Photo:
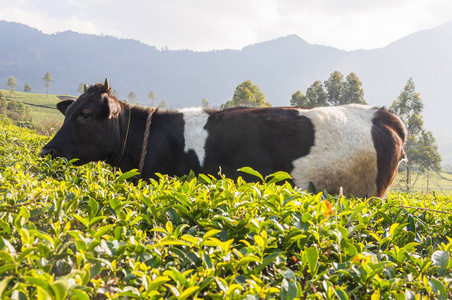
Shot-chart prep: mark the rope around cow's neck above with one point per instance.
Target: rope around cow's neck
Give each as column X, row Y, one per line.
column 125, row 140
column 145, row 141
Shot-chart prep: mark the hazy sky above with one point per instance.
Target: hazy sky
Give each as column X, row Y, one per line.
column 218, row 24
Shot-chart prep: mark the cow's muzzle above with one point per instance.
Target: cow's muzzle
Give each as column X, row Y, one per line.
column 48, row 150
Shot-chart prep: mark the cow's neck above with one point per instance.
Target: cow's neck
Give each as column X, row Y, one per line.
column 128, row 152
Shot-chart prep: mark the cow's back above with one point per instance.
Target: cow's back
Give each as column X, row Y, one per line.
column 266, row 139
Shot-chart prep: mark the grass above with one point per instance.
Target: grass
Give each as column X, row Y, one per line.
column 437, row 182
column 43, row 108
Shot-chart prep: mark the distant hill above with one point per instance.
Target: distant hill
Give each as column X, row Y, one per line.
column 279, row 67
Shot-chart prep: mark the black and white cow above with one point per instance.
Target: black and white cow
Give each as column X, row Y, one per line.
column 355, row 147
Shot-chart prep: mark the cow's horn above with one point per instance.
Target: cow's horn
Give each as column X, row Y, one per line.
column 106, row 85
column 85, row 88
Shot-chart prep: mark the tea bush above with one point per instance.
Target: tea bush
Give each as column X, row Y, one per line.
column 89, row 232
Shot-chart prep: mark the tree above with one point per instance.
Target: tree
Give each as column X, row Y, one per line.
column 114, row 93
column 11, row 85
column 47, row 81
column 335, row 88
column 152, row 96
column 247, row 94
column 298, row 99
column 315, row 96
column 81, row 88
column 132, row 98
column 205, row 103
column 420, row 147
column 334, row 91
column 163, row 104
column 352, row 90
column 426, row 155
column 27, row 88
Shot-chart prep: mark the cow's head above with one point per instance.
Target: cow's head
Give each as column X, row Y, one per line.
column 90, row 131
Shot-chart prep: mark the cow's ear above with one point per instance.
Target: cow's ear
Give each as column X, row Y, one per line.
column 114, row 108
column 63, row 105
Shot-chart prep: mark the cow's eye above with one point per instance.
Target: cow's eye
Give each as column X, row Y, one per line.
column 84, row 116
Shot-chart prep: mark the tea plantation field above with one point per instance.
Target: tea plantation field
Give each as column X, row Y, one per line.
column 88, row 233
column 42, row 107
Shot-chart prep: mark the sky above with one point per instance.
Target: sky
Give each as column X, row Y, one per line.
column 205, row 25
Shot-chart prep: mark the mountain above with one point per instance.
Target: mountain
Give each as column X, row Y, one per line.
column 279, row 67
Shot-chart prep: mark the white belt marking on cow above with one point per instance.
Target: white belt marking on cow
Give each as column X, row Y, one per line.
column 194, row 133
column 343, row 153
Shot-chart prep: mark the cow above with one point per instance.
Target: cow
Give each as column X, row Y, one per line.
column 354, row 147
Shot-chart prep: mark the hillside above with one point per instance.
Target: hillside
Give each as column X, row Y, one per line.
column 42, row 108
column 279, row 67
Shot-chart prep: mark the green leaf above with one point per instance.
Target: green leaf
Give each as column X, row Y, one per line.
column 190, row 239
column 289, row 289
column 103, row 230
column 5, row 256
column 43, row 294
column 210, row 233
column 79, row 294
column 267, row 260
column 249, row 258
column 288, row 274
column 252, row 172
column 176, row 276
column 411, row 246
column 393, row 228
column 438, row 288
column 158, row 282
column 81, row 220
column 311, row 188
column 188, row 292
column 40, row 283
column 126, row 175
column 170, row 243
column 222, row 284
column 441, row 259
column 356, row 211
column 259, row 241
column 396, row 229
column 60, row 289
column 95, row 220
column 278, row 176
column 7, row 267
column 10, row 247
column 4, row 285
column 206, row 259
column 5, row 226
column 205, row 178
column 312, row 255
column 231, row 289
column 23, row 255
column 340, row 293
